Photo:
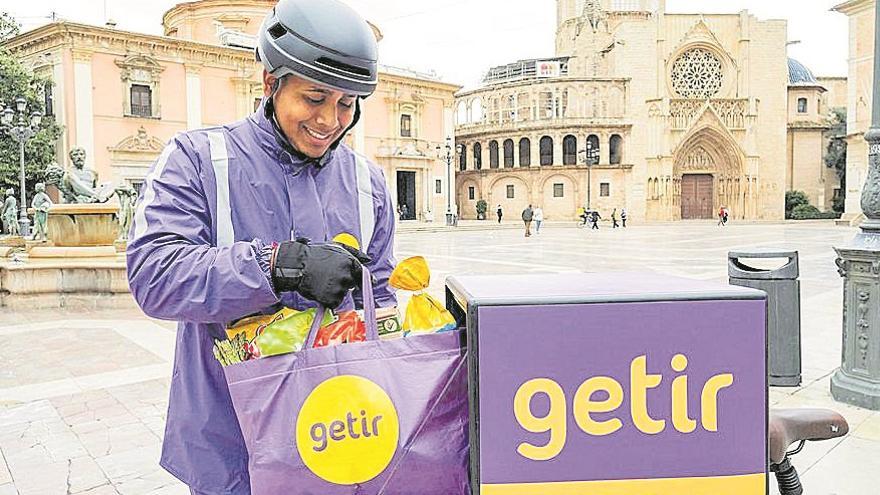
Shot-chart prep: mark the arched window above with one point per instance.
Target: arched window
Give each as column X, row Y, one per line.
column 461, row 111
column 494, row 111
column 462, row 158
column 615, row 147
column 802, row 105
column 546, row 147
column 524, row 110
column 569, row 150
column 592, row 149
column 508, row 153
column 478, row 156
column 493, row 154
column 509, row 111
column 475, row 113
column 525, row 152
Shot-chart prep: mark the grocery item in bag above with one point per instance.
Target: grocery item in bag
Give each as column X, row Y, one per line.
column 252, row 326
column 347, row 329
column 424, row 314
column 288, row 335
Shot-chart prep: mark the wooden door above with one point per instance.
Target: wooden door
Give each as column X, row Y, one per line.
column 697, row 197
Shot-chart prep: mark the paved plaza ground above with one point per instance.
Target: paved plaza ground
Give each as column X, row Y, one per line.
column 83, row 395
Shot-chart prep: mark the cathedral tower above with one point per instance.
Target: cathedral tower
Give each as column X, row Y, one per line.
column 572, row 9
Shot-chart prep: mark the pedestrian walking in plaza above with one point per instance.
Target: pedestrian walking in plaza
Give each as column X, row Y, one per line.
column 455, row 215
column 594, row 219
column 499, row 212
column 527, row 215
column 539, row 218
column 582, row 215
column 614, row 223
column 623, row 217
column 722, row 216
column 202, row 254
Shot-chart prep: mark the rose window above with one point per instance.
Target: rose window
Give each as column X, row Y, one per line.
column 697, row 74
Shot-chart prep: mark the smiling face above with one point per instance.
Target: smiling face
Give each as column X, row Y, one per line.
column 311, row 115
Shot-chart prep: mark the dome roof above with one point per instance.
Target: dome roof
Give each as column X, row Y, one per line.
column 800, row 75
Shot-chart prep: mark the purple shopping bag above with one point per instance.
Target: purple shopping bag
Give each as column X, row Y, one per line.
column 374, row 417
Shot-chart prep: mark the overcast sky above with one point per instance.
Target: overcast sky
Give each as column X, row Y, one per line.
column 460, row 39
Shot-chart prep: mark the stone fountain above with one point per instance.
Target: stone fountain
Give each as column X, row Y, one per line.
column 76, row 254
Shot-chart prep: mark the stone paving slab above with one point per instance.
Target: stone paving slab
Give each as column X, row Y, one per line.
column 91, row 423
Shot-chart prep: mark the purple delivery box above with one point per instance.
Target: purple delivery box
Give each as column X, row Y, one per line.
column 614, row 384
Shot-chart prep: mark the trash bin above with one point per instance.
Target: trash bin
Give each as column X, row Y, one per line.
column 783, row 312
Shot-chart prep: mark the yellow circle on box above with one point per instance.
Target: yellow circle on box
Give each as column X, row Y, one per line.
column 347, row 430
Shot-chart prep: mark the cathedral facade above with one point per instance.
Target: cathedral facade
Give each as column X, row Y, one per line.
column 670, row 116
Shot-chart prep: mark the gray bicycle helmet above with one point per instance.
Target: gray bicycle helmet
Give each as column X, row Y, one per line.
column 324, row 41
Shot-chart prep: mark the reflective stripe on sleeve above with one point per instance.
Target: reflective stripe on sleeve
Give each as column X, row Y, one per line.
column 140, row 213
column 220, row 162
column 365, row 202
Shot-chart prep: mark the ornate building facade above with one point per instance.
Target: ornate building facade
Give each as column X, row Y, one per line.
column 859, row 101
column 810, row 106
column 670, row 116
column 122, row 95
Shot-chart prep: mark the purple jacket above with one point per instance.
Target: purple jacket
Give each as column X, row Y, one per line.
column 211, row 202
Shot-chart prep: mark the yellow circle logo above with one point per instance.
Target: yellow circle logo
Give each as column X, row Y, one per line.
column 347, row 430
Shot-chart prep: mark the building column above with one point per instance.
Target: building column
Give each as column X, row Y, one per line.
column 536, row 150
column 557, row 148
column 85, row 115
column 515, row 150
column 193, row 96
column 604, row 148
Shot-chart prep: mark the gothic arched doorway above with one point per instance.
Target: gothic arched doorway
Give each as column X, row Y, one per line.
column 706, row 167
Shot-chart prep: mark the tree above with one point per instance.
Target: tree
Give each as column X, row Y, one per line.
column 16, row 80
column 8, row 27
column 794, row 199
column 835, row 154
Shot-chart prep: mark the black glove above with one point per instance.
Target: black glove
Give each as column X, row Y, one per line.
column 321, row 272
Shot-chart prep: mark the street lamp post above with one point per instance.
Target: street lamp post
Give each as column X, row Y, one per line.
column 591, row 157
column 448, row 156
column 22, row 128
column 857, row 381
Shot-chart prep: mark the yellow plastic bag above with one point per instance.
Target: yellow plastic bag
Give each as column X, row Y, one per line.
column 424, row 314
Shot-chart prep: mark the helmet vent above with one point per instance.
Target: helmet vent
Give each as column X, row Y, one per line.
column 341, row 66
column 277, row 31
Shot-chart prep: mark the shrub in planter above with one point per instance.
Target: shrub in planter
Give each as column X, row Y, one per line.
column 482, row 206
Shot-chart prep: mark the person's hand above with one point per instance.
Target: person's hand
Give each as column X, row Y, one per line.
column 321, row 272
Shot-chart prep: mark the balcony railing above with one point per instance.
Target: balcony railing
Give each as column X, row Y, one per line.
column 141, row 110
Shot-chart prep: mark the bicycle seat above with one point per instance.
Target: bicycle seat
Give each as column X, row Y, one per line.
column 789, row 426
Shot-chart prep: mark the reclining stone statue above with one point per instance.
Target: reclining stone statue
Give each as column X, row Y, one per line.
column 78, row 184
